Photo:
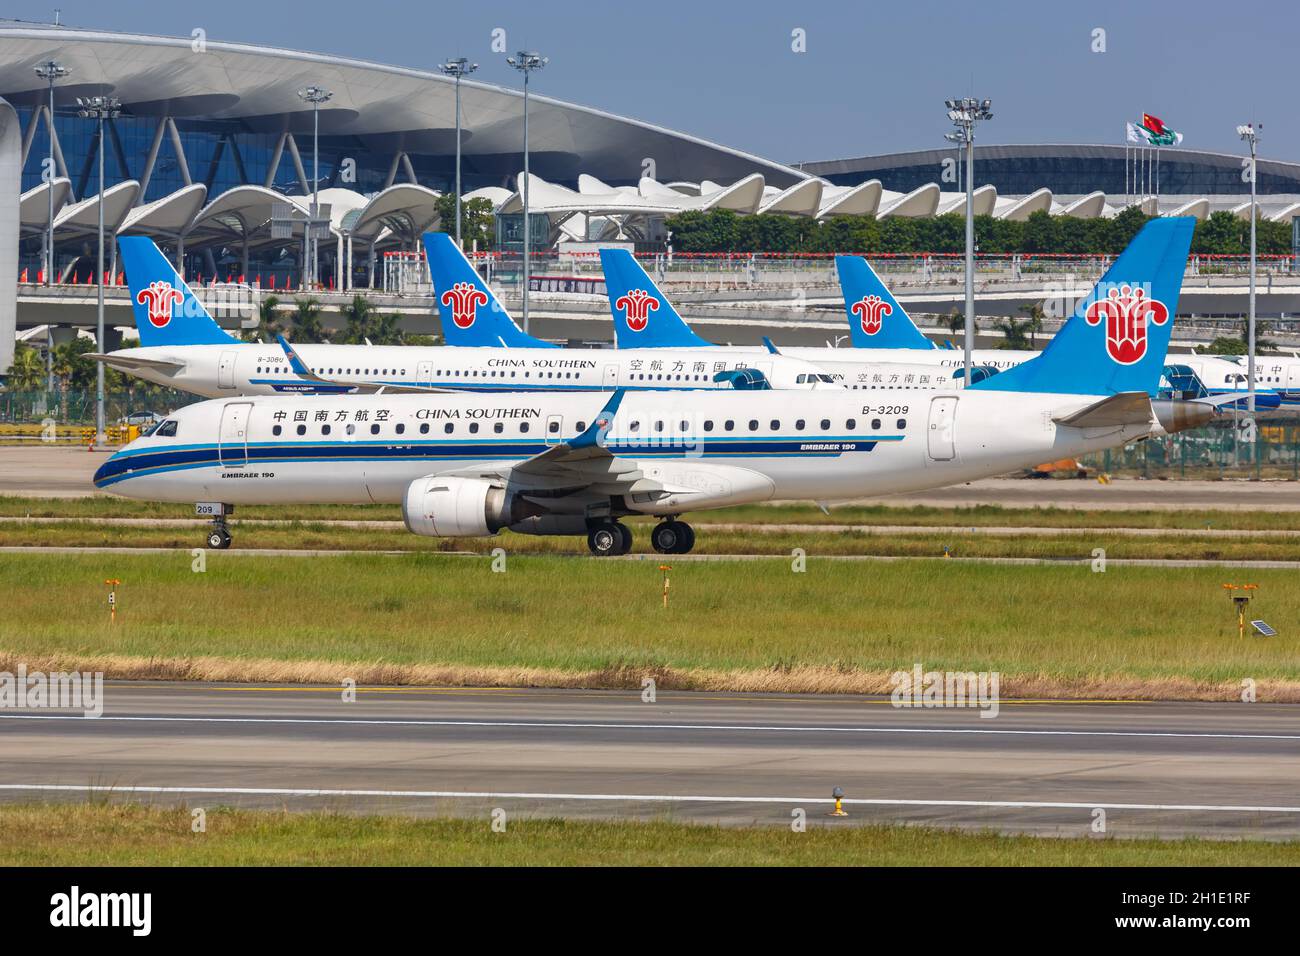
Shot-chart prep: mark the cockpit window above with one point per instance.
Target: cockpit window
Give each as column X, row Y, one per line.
column 149, row 429
column 167, row 429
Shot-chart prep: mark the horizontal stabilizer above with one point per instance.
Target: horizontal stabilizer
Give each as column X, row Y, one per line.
column 1114, row 411
column 129, row 363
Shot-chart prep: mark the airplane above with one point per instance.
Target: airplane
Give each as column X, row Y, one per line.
column 889, row 351
column 183, row 347
column 574, row 464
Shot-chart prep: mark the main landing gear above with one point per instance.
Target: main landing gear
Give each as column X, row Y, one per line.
column 672, row 537
column 609, row 539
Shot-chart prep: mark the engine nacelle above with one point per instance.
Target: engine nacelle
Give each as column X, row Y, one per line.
column 455, row 507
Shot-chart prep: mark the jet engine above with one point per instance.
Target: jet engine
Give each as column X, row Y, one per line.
column 458, row 507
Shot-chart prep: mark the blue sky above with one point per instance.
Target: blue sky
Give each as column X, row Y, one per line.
column 872, row 80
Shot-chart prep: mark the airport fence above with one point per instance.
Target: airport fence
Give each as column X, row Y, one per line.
column 73, row 406
column 1231, row 448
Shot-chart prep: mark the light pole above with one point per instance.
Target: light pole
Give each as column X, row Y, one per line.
column 50, row 71
column 525, row 62
column 1250, row 134
column 99, row 108
column 457, row 68
column 315, row 95
column 964, row 113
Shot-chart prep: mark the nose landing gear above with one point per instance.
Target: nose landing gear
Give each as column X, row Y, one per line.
column 672, row 537
column 219, row 537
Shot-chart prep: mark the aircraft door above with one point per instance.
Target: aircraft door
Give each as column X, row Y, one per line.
column 226, row 370
column 554, row 429
column 233, row 445
column 424, row 373
column 611, row 376
column 940, row 438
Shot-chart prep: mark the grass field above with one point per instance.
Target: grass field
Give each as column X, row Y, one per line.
column 746, row 625
column 103, row 834
column 766, row 539
column 983, row 515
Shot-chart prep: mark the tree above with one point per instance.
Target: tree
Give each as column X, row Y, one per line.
column 1034, row 324
column 956, row 322
column 1014, row 331
column 269, row 324
column 27, row 374
column 477, row 220
column 307, row 325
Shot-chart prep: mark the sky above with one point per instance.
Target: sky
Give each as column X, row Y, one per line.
column 871, row 77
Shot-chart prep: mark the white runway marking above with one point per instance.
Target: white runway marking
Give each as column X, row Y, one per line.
column 576, row 725
column 645, row 798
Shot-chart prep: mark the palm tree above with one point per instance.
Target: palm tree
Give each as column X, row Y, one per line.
column 956, row 322
column 307, row 326
column 1035, row 321
column 1014, row 332
column 361, row 318
column 27, row 374
column 268, row 321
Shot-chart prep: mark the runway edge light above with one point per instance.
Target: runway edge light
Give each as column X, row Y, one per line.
column 112, row 599
column 839, row 811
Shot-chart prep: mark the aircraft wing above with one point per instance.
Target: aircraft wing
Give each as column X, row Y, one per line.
column 127, row 363
column 1123, row 408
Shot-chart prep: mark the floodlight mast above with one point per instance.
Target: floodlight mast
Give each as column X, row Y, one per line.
column 315, row 95
column 458, row 68
column 965, row 113
column 526, row 62
column 99, row 108
column 1249, row 134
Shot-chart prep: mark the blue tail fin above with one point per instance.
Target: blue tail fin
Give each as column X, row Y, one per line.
column 643, row 318
column 470, row 313
column 1117, row 339
column 876, row 320
column 166, row 311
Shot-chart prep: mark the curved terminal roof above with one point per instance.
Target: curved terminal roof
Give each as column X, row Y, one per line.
column 386, row 107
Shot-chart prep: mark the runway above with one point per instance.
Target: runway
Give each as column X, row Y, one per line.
column 1039, row 767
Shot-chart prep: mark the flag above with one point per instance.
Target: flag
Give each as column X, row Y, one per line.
column 1154, row 123
column 1144, row 135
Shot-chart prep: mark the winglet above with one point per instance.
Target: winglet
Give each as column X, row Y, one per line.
column 770, row 347
column 594, row 436
column 300, row 368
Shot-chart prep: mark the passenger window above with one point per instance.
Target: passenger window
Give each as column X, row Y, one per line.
column 352, row 429
column 729, row 425
column 553, row 427
column 274, row 431
column 799, row 424
column 753, row 424
column 302, row 429
column 634, row 427
column 875, row 424
column 448, row 428
column 776, row 425
column 708, row 425
column 400, row 429
column 473, row 428
column 498, row 428
column 324, row 429
column 424, row 428
column 826, row 424
column 902, row 423
column 685, row 425
column 582, row 427
column 851, row 424
column 659, row 426
column 523, row 426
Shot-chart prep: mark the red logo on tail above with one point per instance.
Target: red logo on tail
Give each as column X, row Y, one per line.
column 464, row 300
column 871, row 308
column 159, row 298
column 637, row 306
column 1126, row 311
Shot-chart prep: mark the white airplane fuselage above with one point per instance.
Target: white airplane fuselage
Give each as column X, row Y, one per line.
column 243, row 369
column 708, row 449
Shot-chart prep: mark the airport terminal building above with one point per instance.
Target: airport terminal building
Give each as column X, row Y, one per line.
column 212, row 157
